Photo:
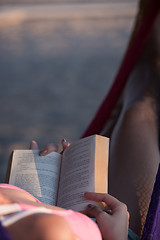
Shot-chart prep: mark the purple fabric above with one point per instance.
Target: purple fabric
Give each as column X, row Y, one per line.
column 4, row 235
column 152, row 225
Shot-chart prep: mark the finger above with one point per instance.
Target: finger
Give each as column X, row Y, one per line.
column 94, row 211
column 65, row 145
column 112, row 202
column 33, row 145
column 48, row 149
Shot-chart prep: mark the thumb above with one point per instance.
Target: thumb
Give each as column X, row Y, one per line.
column 33, row 145
column 65, row 145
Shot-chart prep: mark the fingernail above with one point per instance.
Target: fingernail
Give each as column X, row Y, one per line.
column 91, row 206
column 43, row 152
column 33, row 143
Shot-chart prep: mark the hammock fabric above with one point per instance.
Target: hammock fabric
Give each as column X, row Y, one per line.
column 128, row 63
column 152, row 226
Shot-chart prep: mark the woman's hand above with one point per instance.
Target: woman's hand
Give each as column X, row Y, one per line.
column 50, row 147
column 114, row 223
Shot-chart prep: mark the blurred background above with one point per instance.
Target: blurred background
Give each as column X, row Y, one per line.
column 58, row 59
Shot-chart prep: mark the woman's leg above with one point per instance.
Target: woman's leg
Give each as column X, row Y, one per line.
column 134, row 152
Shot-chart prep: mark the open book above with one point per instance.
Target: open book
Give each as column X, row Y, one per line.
column 62, row 181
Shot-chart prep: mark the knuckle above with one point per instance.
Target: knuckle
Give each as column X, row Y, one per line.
column 124, row 207
column 128, row 215
column 124, row 210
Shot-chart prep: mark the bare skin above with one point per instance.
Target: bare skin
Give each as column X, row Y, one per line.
column 113, row 224
column 134, row 150
column 134, row 159
column 41, row 226
column 38, row 226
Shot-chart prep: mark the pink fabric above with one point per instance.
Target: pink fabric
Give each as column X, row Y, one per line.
column 82, row 226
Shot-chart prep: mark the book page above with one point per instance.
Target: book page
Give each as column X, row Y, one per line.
column 39, row 175
column 77, row 175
